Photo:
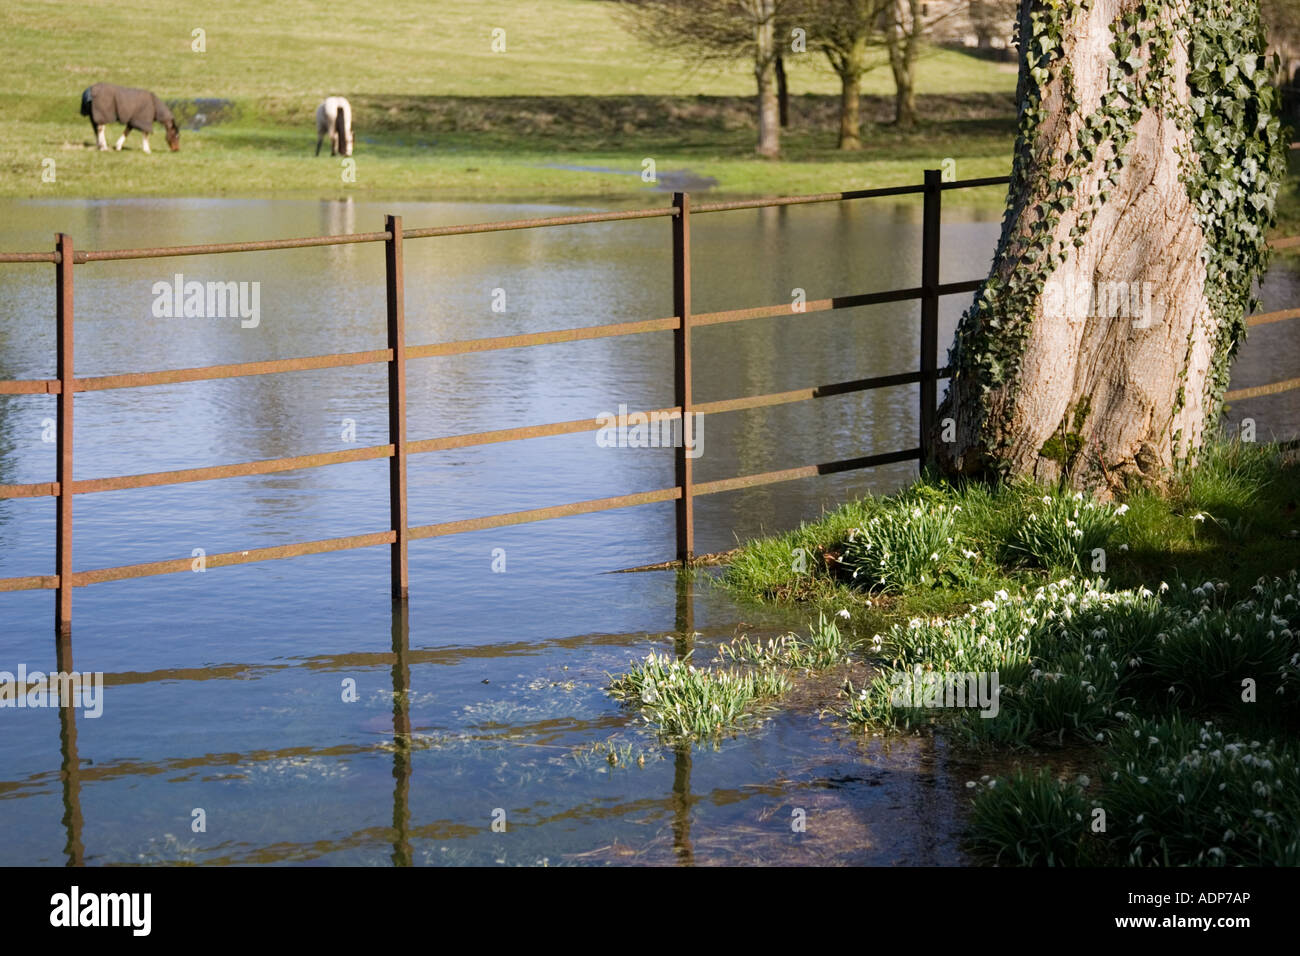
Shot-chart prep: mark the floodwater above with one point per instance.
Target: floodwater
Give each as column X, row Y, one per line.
column 228, row 692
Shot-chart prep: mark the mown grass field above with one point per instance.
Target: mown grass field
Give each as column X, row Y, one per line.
column 440, row 115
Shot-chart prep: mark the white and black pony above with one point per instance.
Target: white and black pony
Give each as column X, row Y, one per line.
column 334, row 119
column 108, row 103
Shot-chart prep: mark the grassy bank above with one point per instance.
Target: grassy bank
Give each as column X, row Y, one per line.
column 1153, row 643
column 569, row 110
column 516, row 148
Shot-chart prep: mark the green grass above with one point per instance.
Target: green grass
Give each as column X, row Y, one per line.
column 439, row 115
column 825, row 647
column 1171, row 792
column 1235, row 515
column 1173, row 671
column 432, row 47
column 684, row 702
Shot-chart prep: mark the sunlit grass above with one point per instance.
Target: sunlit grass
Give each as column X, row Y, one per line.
column 1169, row 651
column 439, row 114
column 684, row 701
column 825, row 647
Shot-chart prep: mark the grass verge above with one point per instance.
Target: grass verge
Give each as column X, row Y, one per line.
column 1154, row 638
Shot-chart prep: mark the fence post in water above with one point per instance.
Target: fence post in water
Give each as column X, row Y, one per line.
column 63, row 435
column 682, row 375
column 397, row 403
column 931, row 222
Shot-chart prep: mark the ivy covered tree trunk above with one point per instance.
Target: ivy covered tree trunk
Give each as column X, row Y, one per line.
column 1146, row 166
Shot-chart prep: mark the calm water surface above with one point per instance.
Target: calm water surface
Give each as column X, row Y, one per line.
column 225, row 689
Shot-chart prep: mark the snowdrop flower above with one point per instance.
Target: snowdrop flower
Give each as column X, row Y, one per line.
column 1121, row 510
column 1200, row 516
column 843, row 613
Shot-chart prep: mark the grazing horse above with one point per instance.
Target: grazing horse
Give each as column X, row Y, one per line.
column 334, row 117
column 108, row 103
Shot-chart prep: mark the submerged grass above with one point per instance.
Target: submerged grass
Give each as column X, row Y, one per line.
column 683, row 701
column 1156, row 634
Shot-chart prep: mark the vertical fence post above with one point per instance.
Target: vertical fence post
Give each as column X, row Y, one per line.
column 682, row 374
column 397, row 403
column 63, row 435
column 931, row 222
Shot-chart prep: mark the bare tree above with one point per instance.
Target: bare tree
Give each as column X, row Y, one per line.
column 722, row 29
column 904, row 28
column 992, row 19
column 845, row 31
column 908, row 25
column 1282, row 21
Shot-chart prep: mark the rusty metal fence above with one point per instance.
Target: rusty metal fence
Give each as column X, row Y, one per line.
column 65, row 386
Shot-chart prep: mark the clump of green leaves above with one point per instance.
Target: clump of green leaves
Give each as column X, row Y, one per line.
column 1032, row 819
column 912, row 544
column 1064, row 532
column 825, row 647
column 685, row 701
column 1073, row 657
column 1173, row 792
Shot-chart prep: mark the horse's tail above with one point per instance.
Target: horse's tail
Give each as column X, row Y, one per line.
column 344, row 126
column 87, row 101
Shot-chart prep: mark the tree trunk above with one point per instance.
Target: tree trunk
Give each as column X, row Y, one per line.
column 769, row 113
column 904, row 99
column 1098, row 350
column 850, row 112
column 782, row 92
column 902, row 39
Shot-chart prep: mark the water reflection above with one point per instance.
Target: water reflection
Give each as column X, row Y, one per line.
column 70, row 767
column 486, row 690
column 401, row 733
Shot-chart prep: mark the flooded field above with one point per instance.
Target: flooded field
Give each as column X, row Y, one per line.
column 303, row 720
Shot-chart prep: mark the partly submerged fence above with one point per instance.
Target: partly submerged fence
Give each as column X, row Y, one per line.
column 397, row 353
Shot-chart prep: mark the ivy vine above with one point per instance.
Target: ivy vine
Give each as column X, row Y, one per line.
column 1232, row 172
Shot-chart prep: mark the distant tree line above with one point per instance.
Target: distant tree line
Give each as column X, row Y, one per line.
column 855, row 36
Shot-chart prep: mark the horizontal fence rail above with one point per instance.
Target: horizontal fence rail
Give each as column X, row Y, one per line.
column 398, row 354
